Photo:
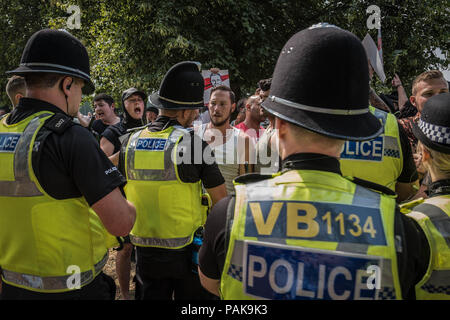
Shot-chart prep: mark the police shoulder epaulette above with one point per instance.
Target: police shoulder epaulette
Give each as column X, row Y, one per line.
column 59, row 123
column 252, row 177
column 124, row 138
column 408, row 206
column 373, row 186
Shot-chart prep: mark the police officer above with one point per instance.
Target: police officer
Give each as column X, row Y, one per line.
column 165, row 169
column 433, row 214
column 308, row 232
column 386, row 160
column 59, row 193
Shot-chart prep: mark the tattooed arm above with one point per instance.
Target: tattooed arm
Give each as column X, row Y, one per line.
column 376, row 101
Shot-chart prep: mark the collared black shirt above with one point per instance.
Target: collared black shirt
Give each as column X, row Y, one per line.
column 70, row 164
column 412, row 246
column 439, row 188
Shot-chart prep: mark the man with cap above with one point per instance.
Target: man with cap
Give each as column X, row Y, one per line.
column 308, row 232
column 165, row 165
column 133, row 103
column 433, row 214
column 59, row 194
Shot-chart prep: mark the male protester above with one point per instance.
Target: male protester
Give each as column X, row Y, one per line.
column 425, row 85
column 59, row 194
column 251, row 126
column 104, row 115
column 133, row 103
column 104, row 109
column 151, row 114
column 308, row 232
column 15, row 89
column 165, row 167
column 231, row 148
column 268, row 161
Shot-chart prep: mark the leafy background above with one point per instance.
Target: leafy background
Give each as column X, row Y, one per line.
column 133, row 43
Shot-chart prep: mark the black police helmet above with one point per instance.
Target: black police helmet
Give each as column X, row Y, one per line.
column 181, row 88
column 56, row 51
column 302, row 93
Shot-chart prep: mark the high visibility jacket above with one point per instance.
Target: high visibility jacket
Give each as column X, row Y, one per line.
column 46, row 245
column 168, row 210
column 433, row 216
column 379, row 160
column 307, row 234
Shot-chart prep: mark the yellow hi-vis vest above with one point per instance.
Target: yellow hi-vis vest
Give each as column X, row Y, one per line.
column 168, row 210
column 308, row 234
column 46, row 245
column 379, row 160
column 433, row 216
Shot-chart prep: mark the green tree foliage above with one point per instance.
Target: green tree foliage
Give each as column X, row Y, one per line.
column 133, row 43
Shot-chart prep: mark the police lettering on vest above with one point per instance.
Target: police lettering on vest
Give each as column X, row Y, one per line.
column 151, row 144
column 8, row 141
column 273, row 271
column 371, row 150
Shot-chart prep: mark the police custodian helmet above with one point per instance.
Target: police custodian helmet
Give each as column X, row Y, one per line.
column 181, row 88
column 320, row 83
column 56, row 51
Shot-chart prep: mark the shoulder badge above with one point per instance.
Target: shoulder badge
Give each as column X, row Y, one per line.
column 59, row 123
column 371, row 185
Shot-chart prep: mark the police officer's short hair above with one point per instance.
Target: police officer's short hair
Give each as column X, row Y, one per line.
column 15, row 85
column 42, row 79
column 106, row 97
column 225, row 88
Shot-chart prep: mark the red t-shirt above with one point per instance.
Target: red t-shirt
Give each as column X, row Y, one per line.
column 252, row 133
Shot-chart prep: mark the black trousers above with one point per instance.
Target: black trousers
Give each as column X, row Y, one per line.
column 165, row 274
column 102, row 287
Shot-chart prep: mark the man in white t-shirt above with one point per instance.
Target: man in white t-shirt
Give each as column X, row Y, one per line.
column 231, row 147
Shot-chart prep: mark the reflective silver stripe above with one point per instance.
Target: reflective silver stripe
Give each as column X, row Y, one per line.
column 391, row 143
column 181, row 102
column 317, row 109
column 157, row 242
column 168, row 174
column 22, row 186
column 366, row 198
column 439, row 282
column 438, row 217
column 40, row 64
column 51, row 283
column 352, row 247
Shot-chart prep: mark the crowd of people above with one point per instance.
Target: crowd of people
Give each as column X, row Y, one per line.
column 288, row 193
